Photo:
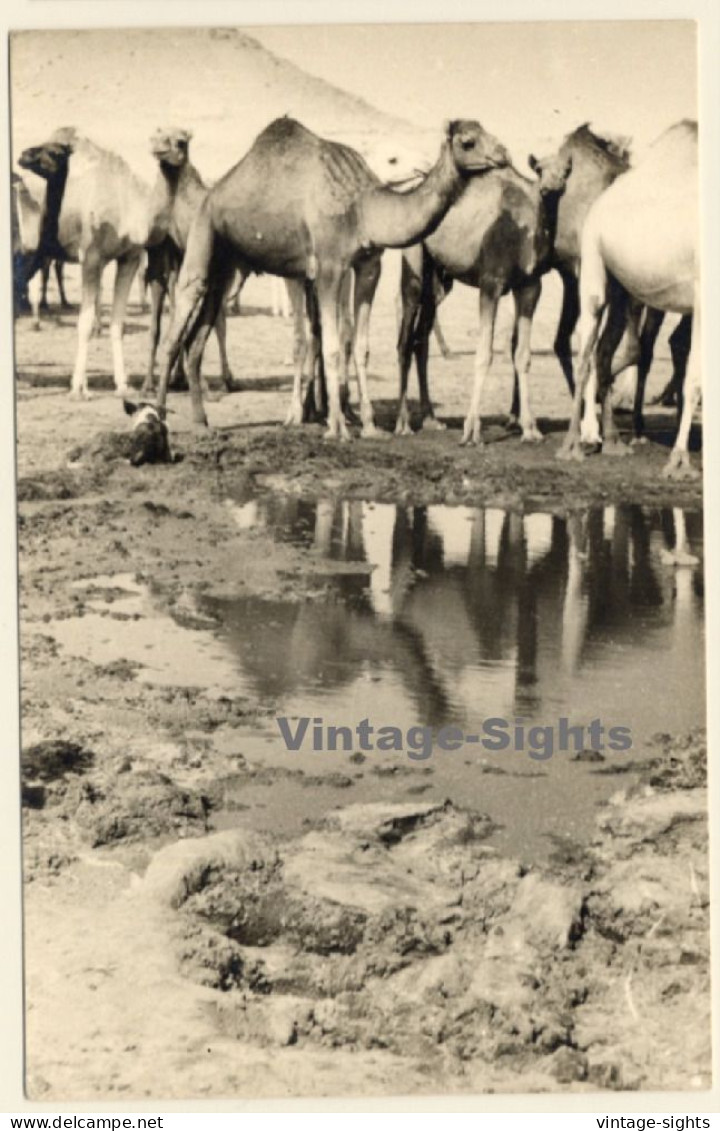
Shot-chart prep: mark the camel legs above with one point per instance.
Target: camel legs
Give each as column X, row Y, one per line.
column 651, row 329
column 126, row 271
column 678, row 464
column 414, row 261
column 212, row 304
column 483, row 359
column 526, row 300
column 367, row 276
column 158, row 290
column 91, row 270
column 221, row 335
column 296, row 294
column 34, row 289
column 328, row 285
column 59, row 271
column 568, row 320
column 591, row 312
column 617, row 321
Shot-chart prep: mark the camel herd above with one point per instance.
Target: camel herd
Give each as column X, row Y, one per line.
column 623, row 237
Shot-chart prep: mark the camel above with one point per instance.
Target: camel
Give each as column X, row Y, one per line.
column 96, row 212
column 621, row 256
column 306, row 208
column 176, row 196
column 597, row 161
column 497, row 237
column 26, row 227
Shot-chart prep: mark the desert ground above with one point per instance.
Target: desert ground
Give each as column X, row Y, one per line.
column 204, row 916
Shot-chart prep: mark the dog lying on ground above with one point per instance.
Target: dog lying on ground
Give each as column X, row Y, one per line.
column 150, row 441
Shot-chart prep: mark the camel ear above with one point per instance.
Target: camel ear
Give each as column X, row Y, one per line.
column 448, row 128
column 534, row 163
column 568, row 165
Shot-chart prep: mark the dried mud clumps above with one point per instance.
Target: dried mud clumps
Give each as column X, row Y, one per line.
column 397, row 927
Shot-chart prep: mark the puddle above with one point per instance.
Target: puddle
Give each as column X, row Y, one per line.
column 456, row 615
column 439, row 616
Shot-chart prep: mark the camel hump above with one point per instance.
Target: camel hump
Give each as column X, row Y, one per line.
column 283, row 132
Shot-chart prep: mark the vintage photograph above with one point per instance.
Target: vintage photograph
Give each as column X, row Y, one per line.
column 360, row 525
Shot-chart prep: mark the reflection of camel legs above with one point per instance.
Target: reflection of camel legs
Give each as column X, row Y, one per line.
column 678, row 466
column 526, row 300
column 367, row 276
column 91, row 268
column 483, row 359
column 126, row 270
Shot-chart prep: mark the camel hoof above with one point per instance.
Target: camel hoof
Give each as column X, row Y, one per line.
column 532, row 436
column 679, row 467
column 432, row 424
column 199, row 426
column 123, row 391
column 402, row 428
column 679, row 558
column 374, row 434
column 80, row 395
column 616, row 448
column 571, row 449
column 638, row 440
column 294, row 415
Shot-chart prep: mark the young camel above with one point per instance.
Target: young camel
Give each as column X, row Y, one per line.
column 305, row 208
column 176, row 196
column 622, row 256
column 497, row 237
column 96, row 212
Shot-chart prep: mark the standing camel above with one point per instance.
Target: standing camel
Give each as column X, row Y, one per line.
column 597, row 161
column 622, row 255
column 309, row 209
column 176, row 196
column 497, row 237
column 96, row 212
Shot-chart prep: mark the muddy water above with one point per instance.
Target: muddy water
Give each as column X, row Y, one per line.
column 436, row 616
column 456, row 615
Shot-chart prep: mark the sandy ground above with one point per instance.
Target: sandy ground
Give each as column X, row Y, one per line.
column 166, row 958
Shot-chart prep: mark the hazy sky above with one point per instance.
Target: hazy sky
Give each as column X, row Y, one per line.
column 533, row 80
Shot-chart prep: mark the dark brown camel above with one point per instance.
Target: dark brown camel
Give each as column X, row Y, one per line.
column 176, row 196
column 305, row 208
column 497, row 237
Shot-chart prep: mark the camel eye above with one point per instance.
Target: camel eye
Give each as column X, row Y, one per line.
column 468, row 143
column 393, row 161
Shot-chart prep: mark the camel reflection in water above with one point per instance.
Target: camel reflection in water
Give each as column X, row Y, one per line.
column 473, row 613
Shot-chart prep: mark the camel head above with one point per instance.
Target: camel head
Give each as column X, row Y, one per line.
column 47, row 160
column 171, row 147
column 472, row 148
column 552, row 172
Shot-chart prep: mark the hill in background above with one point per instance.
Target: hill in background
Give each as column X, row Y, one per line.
column 119, row 86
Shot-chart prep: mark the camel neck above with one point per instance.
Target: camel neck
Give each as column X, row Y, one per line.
column 399, row 219
column 49, row 242
column 546, row 227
